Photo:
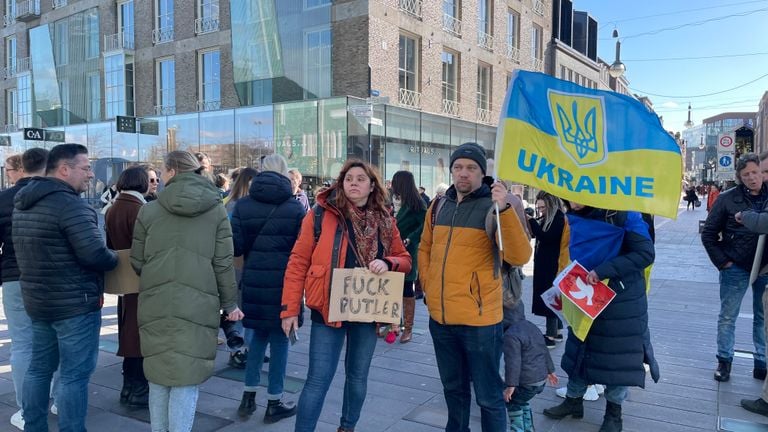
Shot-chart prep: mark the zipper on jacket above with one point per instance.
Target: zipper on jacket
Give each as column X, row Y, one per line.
column 475, row 277
column 445, row 260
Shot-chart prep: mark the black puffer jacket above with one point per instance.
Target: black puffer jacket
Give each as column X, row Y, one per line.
column 60, row 251
column 10, row 270
column 738, row 243
column 265, row 226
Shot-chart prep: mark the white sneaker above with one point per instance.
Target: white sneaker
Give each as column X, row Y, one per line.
column 561, row 391
column 54, row 410
column 591, row 394
column 600, row 388
column 18, row 420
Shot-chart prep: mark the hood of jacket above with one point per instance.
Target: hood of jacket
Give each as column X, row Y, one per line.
column 270, row 187
column 189, row 194
column 39, row 188
column 327, row 199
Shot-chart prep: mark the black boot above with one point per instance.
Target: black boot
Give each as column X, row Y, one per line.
column 759, row 372
column 723, row 372
column 573, row 407
column 139, row 398
column 125, row 393
column 277, row 410
column 247, row 405
column 612, row 418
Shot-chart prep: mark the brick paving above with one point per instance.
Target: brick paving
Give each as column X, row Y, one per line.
column 404, row 391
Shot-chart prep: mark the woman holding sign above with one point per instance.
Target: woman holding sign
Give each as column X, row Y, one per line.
column 613, row 246
column 356, row 231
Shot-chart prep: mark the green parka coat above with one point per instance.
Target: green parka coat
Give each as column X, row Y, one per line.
column 182, row 250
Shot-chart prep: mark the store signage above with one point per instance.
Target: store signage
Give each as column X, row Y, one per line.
column 126, row 124
column 34, row 134
column 54, row 135
column 421, row 149
column 149, row 127
column 5, row 141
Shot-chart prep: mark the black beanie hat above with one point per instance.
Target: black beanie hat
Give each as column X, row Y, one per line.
column 472, row 151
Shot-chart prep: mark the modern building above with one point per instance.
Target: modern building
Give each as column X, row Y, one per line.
column 741, row 124
column 241, row 78
column 572, row 50
column 761, row 125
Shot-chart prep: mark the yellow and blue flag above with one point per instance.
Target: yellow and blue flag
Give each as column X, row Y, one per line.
column 597, row 148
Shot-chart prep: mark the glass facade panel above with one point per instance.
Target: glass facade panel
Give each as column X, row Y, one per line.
column 61, row 46
column 125, row 146
column 254, row 134
column 435, row 152
column 217, row 138
column 462, row 131
column 309, row 4
column 332, row 129
column 184, row 132
column 296, row 137
column 318, row 63
column 94, row 96
column 92, row 28
column 47, row 100
column 408, row 69
column 403, row 142
column 152, row 148
column 100, row 140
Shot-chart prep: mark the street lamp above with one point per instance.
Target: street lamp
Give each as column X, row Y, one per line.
column 688, row 123
column 617, row 69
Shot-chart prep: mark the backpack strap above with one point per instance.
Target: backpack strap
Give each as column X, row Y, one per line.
column 319, row 212
column 318, row 224
column 437, row 205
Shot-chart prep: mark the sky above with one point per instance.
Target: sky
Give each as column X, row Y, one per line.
column 672, row 84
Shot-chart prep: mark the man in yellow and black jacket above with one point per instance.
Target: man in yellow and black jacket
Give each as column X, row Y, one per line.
column 463, row 292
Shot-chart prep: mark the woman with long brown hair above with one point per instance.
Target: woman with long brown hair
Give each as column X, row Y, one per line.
column 356, row 222
column 240, row 188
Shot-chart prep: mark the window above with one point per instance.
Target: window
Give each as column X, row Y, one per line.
column 164, row 22
column 483, row 86
column 210, row 84
column 92, row 27
column 451, row 8
column 513, row 28
column 166, row 86
column 208, row 16
column 126, row 23
column 318, row 63
column 10, row 106
column 10, row 55
column 118, row 86
column 485, row 16
column 310, row 4
column 61, row 41
column 450, row 82
column 94, row 97
column 451, row 18
column 536, row 42
column 408, row 69
column 10, row 12
column 65, row 108
column 24, row 107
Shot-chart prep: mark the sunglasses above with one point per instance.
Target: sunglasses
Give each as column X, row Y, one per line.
column 154, row 180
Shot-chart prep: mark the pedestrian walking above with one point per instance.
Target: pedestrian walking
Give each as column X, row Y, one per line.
column 463, row 287
column 62, row 259
column 617, row 247
column 119, row 221
column 731, row 248
column 714, row 192
column 32, row 164
column 265, row 225
column 410, row 210
column 298, row 192
column 356, row 231
column 550, row 257
column 240, row 188
column 691, row 198
column 182, row 251
column 527, row 367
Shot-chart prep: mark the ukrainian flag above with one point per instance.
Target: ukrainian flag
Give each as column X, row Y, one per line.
column 598, row 148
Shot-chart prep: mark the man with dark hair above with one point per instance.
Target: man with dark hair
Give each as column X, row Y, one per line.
column 62, row 259
column 731, row 248
column 423, row 195
column 19, row 325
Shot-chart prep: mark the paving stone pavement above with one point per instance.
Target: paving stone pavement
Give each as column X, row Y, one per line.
column 404, row 390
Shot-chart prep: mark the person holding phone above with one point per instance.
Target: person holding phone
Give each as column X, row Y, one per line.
column 265, row 225
column 357, row 231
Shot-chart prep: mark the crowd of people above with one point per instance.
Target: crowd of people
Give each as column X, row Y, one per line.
column 183, row 242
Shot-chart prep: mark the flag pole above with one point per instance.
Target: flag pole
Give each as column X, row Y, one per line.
column 758, row 259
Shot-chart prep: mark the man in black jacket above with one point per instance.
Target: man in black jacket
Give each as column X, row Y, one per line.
column 62, row 258
column 19, row 325
column 731, row 248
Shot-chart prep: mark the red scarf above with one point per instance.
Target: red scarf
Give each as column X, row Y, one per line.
column 370, row 227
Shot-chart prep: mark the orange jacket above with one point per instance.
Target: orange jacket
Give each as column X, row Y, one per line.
column 711, row 198
column 456, row 259
column 309, row 268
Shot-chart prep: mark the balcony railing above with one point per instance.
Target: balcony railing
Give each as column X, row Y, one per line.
column 484, row 115
column 451, row 25
column 484, row 40
column 118, row 42
column 513, row 52
column 59, row 3
column 27, row 10
column 210, row 105
column 21, row 66
column 206, row 25
column 409, row 98
column 451, row 107
column 538, row 7
column 538, row 65
column 411, row 7
column 9, row 19
column 162, row 35
column 165, row 109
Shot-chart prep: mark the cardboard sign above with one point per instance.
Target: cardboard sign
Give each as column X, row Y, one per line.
column 590, row 299
column 123, row 279
column 361, row 296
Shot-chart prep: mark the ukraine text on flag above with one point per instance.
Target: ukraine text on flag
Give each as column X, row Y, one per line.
column 594, row 147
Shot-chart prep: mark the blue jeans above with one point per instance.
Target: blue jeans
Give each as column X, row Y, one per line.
column 172, row 409
column 20, row 330
column 523, row 395
column 72, row 345
column 325, row 345
column 278, row 358
column 733, row 286
column 614, row 394
column 465, row 352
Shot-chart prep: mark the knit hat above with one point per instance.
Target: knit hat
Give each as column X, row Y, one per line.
column 472, row 151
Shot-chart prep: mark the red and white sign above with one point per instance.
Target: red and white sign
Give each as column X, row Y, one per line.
column 725, row 142
column 591, row 299
column 552, row 299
